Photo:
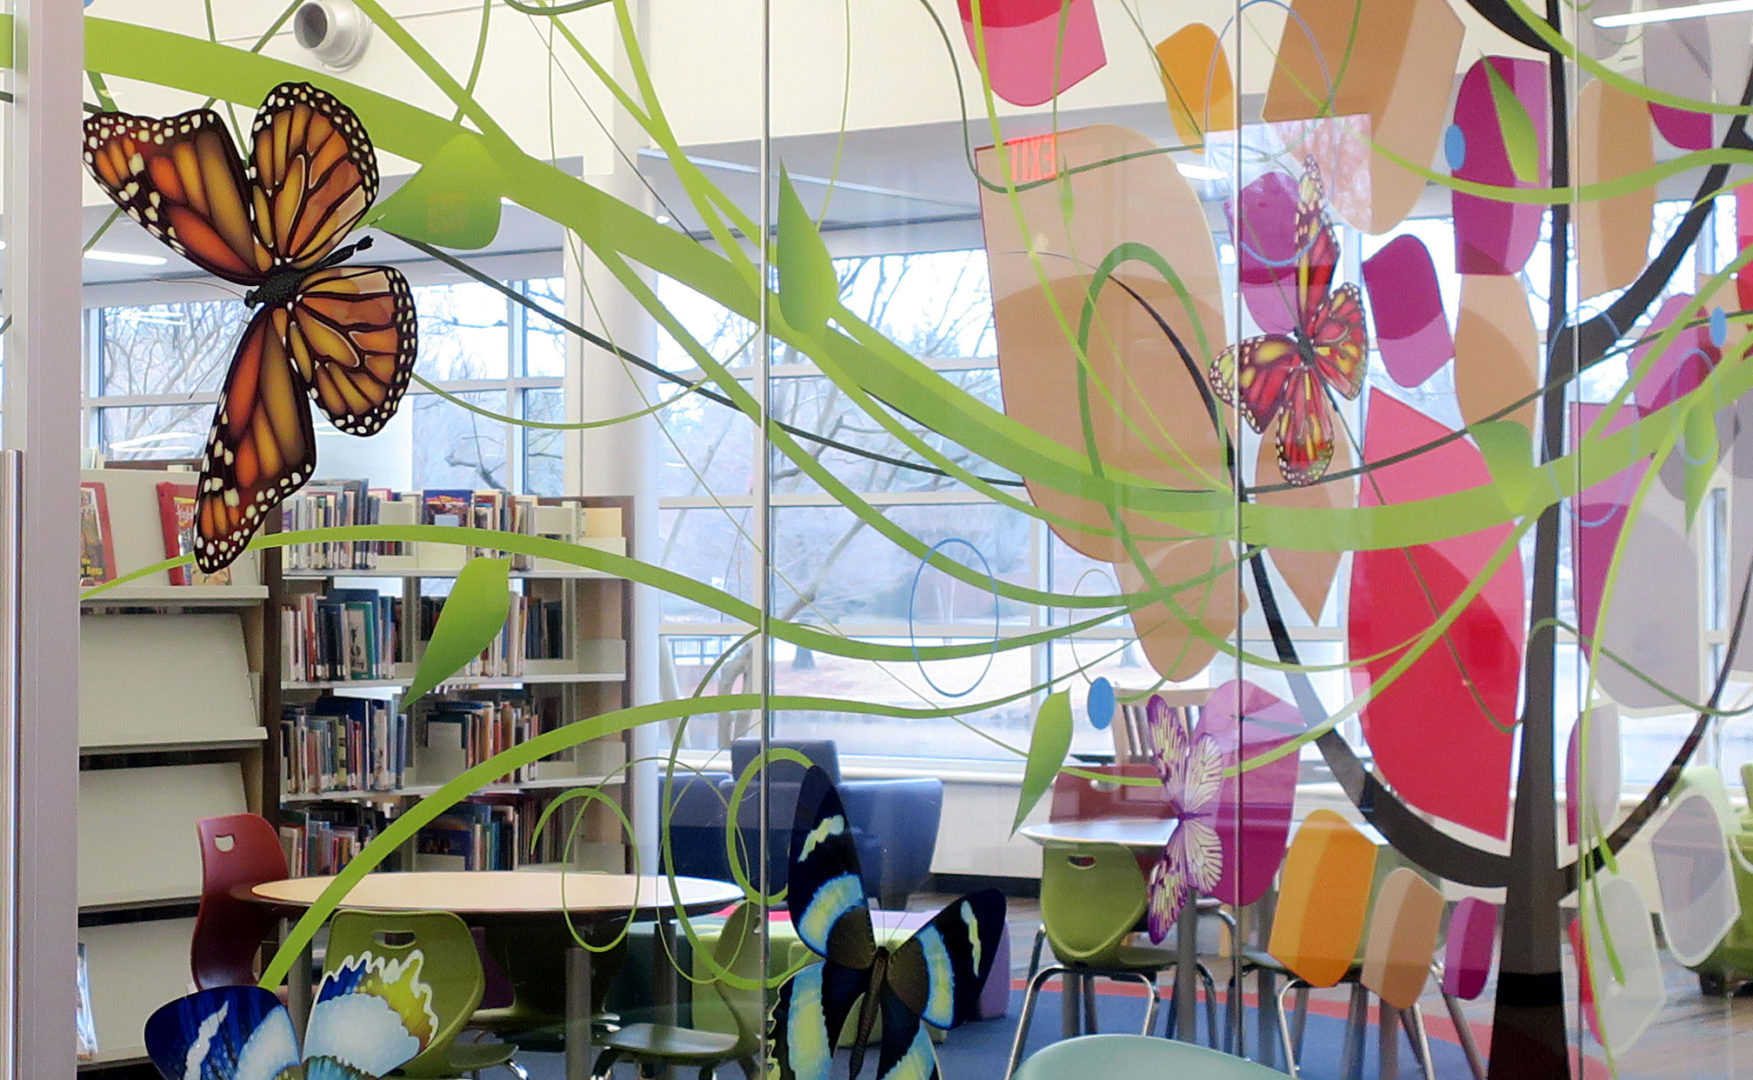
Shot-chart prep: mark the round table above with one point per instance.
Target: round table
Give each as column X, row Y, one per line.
column 1138, row 834
column 514, row 901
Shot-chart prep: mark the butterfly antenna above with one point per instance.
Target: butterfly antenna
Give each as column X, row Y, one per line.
column 341, row 255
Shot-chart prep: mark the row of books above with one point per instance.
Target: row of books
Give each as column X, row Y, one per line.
column 476, row 835
column 345, row 635
column 535, row 629
column 176, row 519
column 455, row 736
column 349, row 502
column 343, row 744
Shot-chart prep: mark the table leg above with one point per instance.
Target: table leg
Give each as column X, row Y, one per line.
column 1187, row 972
column 578, row 1040
column 1356, row 1022
column 665, row 984
column 298, row 989
column 1070, row 1004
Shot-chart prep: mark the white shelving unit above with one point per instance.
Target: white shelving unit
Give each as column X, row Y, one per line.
column 591, row 677
column 170, row 731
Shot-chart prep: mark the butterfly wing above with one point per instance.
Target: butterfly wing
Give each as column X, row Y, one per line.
column 829, row 911
column 372, row 1015
column 1316, row 244
column 226, row 1033
column 1255, row 376
column 939, row 972
column 314, row 173
column 1305, row 429
column 180, row 178
column 1340, row 342
column 906, row 1052
column 261, row 447
column 811, row 1004
column 353, row 336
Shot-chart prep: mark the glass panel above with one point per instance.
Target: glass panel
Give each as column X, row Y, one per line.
column 543, row 467
column 456, row 448
column 463, row 331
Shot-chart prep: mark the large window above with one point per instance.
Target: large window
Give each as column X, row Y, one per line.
column 154, row 373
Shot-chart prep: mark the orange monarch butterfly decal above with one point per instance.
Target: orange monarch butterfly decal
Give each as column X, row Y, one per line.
column 344, row 335
column 1286, row 377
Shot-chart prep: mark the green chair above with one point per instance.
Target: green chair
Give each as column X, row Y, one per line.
column 1092, row 898
column 654, row 1047
column 1137, row 1055
column 449, row 965
column 1731, row 962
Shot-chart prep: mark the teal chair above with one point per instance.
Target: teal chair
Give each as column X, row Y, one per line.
column 658, row 1047
column 449, row 965
column 1137, row 1055
column 1731, row 962
column 1092, row 898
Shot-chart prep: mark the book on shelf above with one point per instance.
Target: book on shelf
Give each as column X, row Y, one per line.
column 343, row 635
column 454, row 736
column 323, row 504
column 535, row 629
column 323, row 840
column 97, row 545
column 343, row 744
column 176, row 515
column 85, row 1024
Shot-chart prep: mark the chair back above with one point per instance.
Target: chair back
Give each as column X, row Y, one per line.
column 738, row 951
column 823, row 753
column 1403, row 931
column 449, row 965
column 1467, row 955
column 1137, row 1055
column 237, row 851
column 1078, row 798
column 1323, row 899
column 1092, row 896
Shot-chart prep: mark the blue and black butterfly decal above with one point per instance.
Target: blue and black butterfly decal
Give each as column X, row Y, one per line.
column 933, row 978
column 371, row 1016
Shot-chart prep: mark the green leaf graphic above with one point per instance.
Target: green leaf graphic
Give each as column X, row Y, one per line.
column 809, row 293
column 1048, row 746
column 1700, row 456
column 453, row 201
column 1509, row 453
column 473, row 615
column 1519, row 141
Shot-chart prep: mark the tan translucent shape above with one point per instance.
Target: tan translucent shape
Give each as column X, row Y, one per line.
column 1148, row 415
column 1497, row 349
column 1196, row 79
column 1404, row 925
column 1615, row 139
column 1309, row 574
column 1391, row 60
column 1207, row 598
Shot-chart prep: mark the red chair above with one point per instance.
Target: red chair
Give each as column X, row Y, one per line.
column 237, row 851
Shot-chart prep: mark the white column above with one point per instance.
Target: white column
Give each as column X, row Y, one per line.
column 42, row 419
column 620, row 459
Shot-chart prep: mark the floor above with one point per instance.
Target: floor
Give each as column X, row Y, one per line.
column 1695, row 1037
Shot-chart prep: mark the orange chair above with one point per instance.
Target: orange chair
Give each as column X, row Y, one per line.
column 1404, row 926
column 1323, row 903
column 237, row 851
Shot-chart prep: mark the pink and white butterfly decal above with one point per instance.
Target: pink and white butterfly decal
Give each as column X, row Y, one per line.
column 1191, row 769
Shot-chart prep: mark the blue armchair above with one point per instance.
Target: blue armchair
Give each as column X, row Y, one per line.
column 894, row 822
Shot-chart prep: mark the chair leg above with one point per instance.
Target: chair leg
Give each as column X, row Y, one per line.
column 1302, row 1016
column 1156, row 997
column 751, row 1071
column 1035, row 953
column 1284, row 1028
column 1210, row 1003
column 1464, row 1031
column 1028, row 1014
column 517, row 1070
column 605, row 1061
column 707, row 1072
column 1089, row 1006
column 1422, row 1041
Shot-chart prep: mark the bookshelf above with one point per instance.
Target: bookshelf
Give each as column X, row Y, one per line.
column 583, row 672
column 173, row 705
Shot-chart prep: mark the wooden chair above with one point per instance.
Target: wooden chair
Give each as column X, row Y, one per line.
column 237, row 851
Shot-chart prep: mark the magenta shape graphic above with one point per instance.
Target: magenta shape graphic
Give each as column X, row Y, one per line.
column 1412, row 331
column 1491, row 236
column 1600, row 518
column 1432, row 739
column 1023, row 46
column 1683, row 128
column 1467, row 955
column 1254, row 808
column 1682, row 366
column 1266, row 250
